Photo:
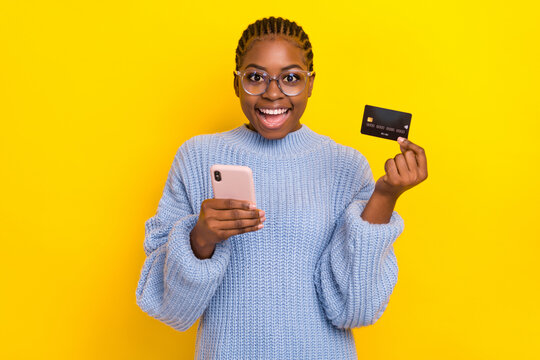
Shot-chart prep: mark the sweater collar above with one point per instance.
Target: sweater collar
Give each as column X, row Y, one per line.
column 295, row 142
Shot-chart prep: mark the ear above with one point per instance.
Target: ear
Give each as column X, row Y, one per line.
column 236, row 90
column 311, row 81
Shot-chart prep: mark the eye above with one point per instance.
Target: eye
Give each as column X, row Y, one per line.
column 255, row 77
column 291, row 77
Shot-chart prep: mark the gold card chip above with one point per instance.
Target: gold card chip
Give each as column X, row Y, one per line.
column 370, row 119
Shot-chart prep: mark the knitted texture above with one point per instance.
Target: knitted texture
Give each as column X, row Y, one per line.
column 291, row 290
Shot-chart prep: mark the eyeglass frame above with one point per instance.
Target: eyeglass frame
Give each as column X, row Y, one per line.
column 241, row 74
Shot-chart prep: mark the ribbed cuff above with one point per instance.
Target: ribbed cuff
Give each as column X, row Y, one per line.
column 383, row 234
column 181, row 256
column 350, row 278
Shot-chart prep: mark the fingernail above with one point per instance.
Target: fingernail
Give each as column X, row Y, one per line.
column 259, row 226
column 261, row 213
column 400, row 139
column 252, row 206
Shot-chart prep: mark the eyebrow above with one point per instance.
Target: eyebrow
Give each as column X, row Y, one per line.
column 285, row 68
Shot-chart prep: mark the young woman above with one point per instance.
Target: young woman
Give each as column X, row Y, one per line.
column 290, row 279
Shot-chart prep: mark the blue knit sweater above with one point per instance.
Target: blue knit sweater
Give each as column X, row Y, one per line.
column 296, row 287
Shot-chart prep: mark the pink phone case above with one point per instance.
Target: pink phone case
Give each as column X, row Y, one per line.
column 236, row 182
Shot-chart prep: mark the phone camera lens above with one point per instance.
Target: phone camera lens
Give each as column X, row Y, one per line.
column 217, row 175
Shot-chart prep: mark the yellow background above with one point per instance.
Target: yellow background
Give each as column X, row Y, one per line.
column 96, row 96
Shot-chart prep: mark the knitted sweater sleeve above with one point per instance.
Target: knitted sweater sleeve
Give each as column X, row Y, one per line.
column 357, row 270
column 175, row 286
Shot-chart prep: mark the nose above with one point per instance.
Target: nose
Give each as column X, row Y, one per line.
column 273, row 91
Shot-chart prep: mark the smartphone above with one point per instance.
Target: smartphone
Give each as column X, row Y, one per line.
column 233, row 182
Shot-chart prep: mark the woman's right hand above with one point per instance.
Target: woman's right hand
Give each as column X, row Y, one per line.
column 220, row 219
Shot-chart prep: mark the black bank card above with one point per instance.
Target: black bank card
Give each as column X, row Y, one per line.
column 385, row 123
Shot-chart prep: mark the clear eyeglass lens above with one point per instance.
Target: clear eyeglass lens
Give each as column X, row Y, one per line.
column 291, row 82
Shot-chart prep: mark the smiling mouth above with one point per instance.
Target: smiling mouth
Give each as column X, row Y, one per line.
column 273, row 119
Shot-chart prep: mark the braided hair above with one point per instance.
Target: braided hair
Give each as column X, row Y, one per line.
column 271, row 28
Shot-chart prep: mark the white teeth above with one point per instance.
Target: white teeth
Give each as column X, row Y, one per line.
column 273, row 112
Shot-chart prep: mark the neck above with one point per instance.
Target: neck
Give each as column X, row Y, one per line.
column 250, row 127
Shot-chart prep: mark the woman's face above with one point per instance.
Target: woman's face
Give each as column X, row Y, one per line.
column 273, row 56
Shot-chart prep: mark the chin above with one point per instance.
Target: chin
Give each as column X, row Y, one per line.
column 274, row 133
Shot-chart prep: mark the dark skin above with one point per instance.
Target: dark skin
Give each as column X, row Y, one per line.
column 272, row 56
column 220, row 219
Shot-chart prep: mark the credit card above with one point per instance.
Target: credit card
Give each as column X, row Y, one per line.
column 385, row 123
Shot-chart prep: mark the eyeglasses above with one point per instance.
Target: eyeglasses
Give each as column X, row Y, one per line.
column 290, row 82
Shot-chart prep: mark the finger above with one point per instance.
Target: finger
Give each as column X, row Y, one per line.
column 402, row 146
column 229, row 233
column 419, row 152
column 237, row 224
column 238, row 214
column 401, row 164
column 391, row 169
column 223, row 204
column 410, row 158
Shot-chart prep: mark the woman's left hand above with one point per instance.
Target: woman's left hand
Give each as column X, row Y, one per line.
column 404, row 171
